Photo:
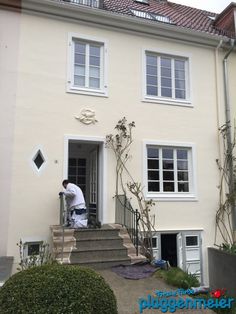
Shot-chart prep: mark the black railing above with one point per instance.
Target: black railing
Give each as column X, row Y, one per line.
column 128, row 217
column 63, row 222
column 88, row 3
column 63, row 213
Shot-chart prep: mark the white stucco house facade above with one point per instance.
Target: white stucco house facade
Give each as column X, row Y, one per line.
column 69, row 70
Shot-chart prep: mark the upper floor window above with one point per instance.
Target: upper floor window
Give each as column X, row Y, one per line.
column 166, row 77
column 169, row 171
column 90, row 3
column 87, row 66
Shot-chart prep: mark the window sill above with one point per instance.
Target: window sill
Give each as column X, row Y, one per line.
column 167, row 101
column 90, row 92
column 172, row 197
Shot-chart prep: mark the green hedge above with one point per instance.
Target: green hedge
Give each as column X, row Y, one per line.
column 57, row 289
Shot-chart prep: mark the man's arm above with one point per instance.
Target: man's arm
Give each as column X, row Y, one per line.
column 70, row 191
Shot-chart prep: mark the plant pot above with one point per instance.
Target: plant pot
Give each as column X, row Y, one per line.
column 222, row 270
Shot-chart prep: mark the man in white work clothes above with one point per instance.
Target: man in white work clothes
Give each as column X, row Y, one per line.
column 76, row 207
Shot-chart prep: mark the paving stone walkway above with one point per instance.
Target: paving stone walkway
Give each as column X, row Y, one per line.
column 129, row 291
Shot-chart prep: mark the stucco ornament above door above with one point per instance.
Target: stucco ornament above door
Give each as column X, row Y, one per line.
column 87, row 116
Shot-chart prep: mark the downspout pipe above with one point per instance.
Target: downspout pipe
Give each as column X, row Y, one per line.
column 228, row 121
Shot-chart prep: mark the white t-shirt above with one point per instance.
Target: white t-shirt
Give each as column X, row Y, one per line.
column 74, row 196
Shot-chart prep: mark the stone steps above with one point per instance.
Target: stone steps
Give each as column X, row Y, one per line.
column 123, row 233
column 97, row 248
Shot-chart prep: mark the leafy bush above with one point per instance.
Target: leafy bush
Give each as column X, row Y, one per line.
column 57, row 289
column 178, row 278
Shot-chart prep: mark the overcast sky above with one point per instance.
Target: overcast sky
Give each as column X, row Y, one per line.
column 215, row 6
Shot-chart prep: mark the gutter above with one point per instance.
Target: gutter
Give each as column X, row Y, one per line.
column 228, row 121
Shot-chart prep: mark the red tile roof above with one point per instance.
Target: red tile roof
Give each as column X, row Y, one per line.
column 180, row 15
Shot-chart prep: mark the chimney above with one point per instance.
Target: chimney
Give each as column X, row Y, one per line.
column 226, row 20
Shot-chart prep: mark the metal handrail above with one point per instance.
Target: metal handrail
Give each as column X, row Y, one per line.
column 63, row 219
column 128, row 217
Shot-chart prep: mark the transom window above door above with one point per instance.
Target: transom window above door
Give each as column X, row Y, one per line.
column 87, row 66
column 166, row 77
column 169, row 171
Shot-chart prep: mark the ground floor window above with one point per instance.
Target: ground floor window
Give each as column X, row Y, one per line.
column 169, row 170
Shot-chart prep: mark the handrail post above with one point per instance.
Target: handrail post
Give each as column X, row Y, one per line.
column 62, row 224
column 125, row 210
column 137, row 217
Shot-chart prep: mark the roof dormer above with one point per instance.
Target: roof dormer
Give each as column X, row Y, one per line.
column 226, row 20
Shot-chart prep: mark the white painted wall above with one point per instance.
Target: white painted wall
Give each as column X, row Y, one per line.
column 8, row 84
column 44, row 114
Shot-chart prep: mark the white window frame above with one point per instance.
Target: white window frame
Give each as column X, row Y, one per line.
column 172, row 196
column 187, row 102
column 71, row 88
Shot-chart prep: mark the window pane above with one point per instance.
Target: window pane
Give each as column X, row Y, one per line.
column 79, row 70
column 168, row 175
column 182, row 176
column 79, row 80
column 182, row 154
column 79, row 59
column 72, row 162
column 168, row 164
column 165, row 72
column 72, row 179
column 94, row 61
column 168, row 186
column 165, row 82
column 72, row 170
column 166, row 92
column 81, row 171
column 180, row 84
column 191, row 240
column 183, row 187
column 152, row 90
column 167, row 153
column 151, row 70
column 179, row 64
column 94, row 51
column 151, row 80
column 166, row 62
column 151, row 60
column 153, row 187
column 182, row 165
column 33, row 249
column 180, row 94
column 153, row 152
column 94, row 72
column 94, row 82
column 153, row 164
column 81, row 180
column 180, row 75
column 80, row 48
column 153, row 175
